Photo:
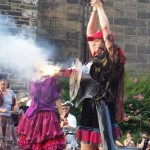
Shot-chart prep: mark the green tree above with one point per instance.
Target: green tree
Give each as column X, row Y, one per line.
column 137, row 104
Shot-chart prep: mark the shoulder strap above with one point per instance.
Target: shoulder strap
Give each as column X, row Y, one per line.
column 1, row 99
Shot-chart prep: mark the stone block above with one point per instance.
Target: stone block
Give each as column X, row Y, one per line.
column 149, row 24
column 60, row 43
column 70, row 43
column 130, row 31
column 5, row 7
column 114, row 12
column 117, row 29
column 32, row 2
column 128, row 13
column 58, row 24
column 141, row 23
column 142, row 6
column 72, row 1
column 23, row 18
column 59, row 7
column 72, row 35
column 73, row 26
column 2, row 1
column 15, row 1
column 22, row 22
column 15, row 5
column 143, row 15
column 142, row 40
column 143, row 49
column 143, row 1
column 119, row 4
column 74, row 17
column 14, row 13
column 143, row 31
column 68, row 8
column 130, row 48
column 108, row 4
column 131, row 58
column 130, row 40
column 125, row 21
column 148, row 7
column 56, row 34
column 138, row 67
column 119, row 38
column 148, row 59
column 148, row 41
column 142, row 58
column 130, row 0
column 130, row 5
column 29, row 13
column 25, row 6
column 12, row 82
column 47, row 5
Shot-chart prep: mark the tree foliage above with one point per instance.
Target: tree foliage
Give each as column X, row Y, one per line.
column 137, row 104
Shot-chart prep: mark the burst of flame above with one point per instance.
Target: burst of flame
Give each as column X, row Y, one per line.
column 51, row 70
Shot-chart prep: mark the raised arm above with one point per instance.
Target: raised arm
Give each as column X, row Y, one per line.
column 91, row 27
column 104, row 24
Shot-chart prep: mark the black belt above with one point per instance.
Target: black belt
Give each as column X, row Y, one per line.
column 69, row 133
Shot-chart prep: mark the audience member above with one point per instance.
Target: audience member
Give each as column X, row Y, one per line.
column 143, row 142
column 129, row 141
column 69, row 125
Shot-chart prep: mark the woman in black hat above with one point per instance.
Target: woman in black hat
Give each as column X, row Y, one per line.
column 7, row 103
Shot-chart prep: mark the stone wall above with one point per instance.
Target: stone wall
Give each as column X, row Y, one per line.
column 60, row 22
column 21, row 15
column 18, row 16
column 130, row 21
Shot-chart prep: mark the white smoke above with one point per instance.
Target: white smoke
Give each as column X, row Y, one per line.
column 18, row 51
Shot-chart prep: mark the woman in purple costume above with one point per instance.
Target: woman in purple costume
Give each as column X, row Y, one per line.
column 39, row 128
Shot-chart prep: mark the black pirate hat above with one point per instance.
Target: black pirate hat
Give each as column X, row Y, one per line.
column 3, row 77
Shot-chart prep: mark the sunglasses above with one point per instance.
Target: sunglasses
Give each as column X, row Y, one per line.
column 65, row 108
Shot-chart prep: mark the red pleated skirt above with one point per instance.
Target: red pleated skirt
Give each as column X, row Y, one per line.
column 41, row 133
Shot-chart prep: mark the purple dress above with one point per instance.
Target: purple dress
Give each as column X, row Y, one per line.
column 39, row 128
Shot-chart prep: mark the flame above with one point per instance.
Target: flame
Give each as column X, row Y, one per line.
column 51, row 70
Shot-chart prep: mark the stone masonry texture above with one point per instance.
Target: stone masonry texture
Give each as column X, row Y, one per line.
column 63, row 23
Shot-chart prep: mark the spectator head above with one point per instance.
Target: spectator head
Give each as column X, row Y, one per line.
column 144, row 135
column 67, row 106
column 3, row 81
column 128, row 134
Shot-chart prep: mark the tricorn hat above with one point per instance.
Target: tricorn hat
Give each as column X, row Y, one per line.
column 67, row 103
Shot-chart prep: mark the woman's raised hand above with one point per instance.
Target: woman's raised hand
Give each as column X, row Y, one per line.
column 96, row 3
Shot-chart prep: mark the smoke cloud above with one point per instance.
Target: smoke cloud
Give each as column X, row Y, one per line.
column 18, row 50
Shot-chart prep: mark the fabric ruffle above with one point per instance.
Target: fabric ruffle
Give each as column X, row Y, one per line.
column 93, row 136
column 42, row 132
column 51, row 144
column 89, row 136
